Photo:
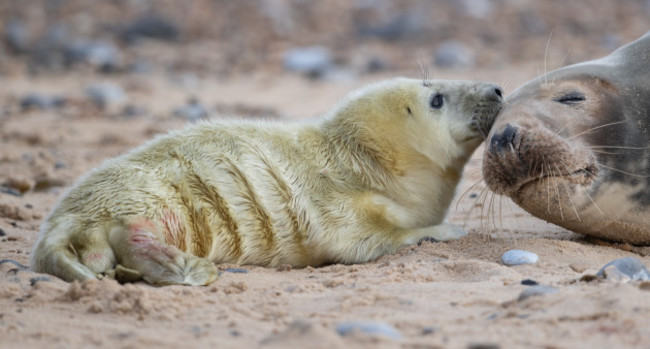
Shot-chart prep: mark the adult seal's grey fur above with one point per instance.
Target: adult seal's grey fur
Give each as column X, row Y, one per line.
column 573, row 146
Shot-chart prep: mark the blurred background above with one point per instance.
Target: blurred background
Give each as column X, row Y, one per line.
column 83, row 80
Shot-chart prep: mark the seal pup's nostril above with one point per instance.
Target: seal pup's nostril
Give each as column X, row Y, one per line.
column 499, row 92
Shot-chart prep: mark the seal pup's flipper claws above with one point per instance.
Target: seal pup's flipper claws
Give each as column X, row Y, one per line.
column 140, row 251
column 441, row 232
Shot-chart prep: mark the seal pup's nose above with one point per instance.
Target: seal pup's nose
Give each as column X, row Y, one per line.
column 492, row 92
column 505, row 140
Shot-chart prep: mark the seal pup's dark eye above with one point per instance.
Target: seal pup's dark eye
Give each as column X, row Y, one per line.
column 436, row 101
column 571, row 98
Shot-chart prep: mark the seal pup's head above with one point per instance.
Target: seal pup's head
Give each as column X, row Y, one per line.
column 572, row 146
column 401, row 123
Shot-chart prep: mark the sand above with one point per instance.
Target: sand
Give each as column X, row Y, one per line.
column 437, row 295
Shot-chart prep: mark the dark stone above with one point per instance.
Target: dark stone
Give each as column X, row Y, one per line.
column 152, row 27
column 40, row 101
column 529, row 282
column 2, row 232
column 100, row 54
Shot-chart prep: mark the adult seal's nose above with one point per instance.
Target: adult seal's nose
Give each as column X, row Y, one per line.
column 504, row 140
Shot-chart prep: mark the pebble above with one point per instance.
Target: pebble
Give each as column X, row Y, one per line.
column 529, row 282
column 314, row 61
column 97, row 53
column 518, row 257
column 153, row 27
column 483, row 346
column 193, row 111
column 624, row 269
column 2, row 232
column 537, row 290
column 368, row 327
column 236, row 270
column 16, row 36
column 41, row 101
column 106, row 94
column 454, row 54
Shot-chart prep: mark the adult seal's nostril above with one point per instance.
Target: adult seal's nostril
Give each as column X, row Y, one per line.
column 504, row 141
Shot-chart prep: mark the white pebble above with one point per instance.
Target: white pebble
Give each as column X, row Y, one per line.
column 519, row 257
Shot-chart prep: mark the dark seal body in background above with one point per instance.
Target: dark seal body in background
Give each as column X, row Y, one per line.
column 573, row 146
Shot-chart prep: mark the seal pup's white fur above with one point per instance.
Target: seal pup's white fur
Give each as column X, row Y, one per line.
column 375, row 174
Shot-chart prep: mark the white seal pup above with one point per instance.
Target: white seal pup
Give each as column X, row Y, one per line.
column 375, row 174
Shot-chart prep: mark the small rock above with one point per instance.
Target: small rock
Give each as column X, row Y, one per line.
column 106, row 94
column 645, row 285
column 453, row 54
column 518, row 257
column 97, row 53
column 236, row 270
column 529, row 282
column 368, row 327
column 193, row 111
column 624, row 269
column 41, row 101
column 2, row 232
column 314, row 61
column 21, row 184
column 537, row 290
column 483, row 346
column 578, row 268
column 16, row 36
column 151, row 26
column 475, row 8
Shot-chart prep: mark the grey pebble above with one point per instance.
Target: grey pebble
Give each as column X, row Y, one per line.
column 624, row 269
column 193, row 111
column 2, row 233
column 106, row 94
column 453, row 54
column 529, row 282
column 368, row 327
column 314, row 61
column 41, row 101
column 483, row 346
column 236, row 270
column 518, row 257
column 16, row 36
column 97, row 53
column 537, row 290
column 150, row 26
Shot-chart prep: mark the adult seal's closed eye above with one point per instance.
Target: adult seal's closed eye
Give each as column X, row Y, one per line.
column 573, row 146
column 374, row 175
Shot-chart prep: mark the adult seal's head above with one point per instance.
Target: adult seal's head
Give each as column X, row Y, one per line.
column 573, row 146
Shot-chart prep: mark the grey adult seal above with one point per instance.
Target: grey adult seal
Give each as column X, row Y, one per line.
column 573, row 146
